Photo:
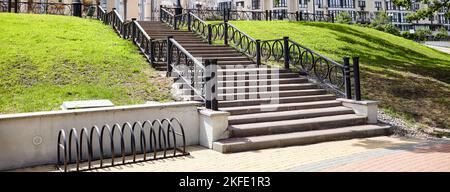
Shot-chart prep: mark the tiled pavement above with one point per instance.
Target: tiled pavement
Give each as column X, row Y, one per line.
column 369, row 154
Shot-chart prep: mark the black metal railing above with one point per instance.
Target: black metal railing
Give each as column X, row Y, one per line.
column 158, row 139
column 197, row 76
column 54, row 8
column 268, row 15
column 167, row 17
column 327, row 72
column 200, row 78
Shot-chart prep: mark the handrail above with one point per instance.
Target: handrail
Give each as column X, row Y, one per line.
column 329, row 73
column 192, row 66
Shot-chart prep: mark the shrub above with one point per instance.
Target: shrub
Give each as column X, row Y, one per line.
column 442, row 33
column 389, row 28
column 344, row 17
column 408, row 35
column 423, row 33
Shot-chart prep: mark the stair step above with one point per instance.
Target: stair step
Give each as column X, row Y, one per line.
column 242, row 77
column 225, row 82
column 256, row 88
column 295, row 125
column 288, row 115
column 280, row 107
column 268, row 94
column 299, row 138
column 265, row 101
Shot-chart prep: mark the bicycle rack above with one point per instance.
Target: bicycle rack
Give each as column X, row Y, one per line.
column 165, row 128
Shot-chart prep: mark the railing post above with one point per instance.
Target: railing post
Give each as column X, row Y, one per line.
column 189, row 20
column 160, row 12
column 169, row 56
column 301, row 16
column 9, row 6
column 225, row 16
column 209, row 34
column 258, row 52
column 211, row 91
column 228, row 14
column 267, row 15
column 270, row 15
column 347, row 83
column 286, row 52
column 356, row 78
column 133, row 30
column 175, row 22
column 332, row 17
column 225, row 32
column 77, row 9
column 16, row 6
column 296, row 15
column 152, row 51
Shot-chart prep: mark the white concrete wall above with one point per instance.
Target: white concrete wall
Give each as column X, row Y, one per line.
column 29, row 139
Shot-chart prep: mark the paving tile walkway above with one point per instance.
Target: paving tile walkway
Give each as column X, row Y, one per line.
column 368, row 154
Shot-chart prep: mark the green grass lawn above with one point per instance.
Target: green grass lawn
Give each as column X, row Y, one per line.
column 45, row 60
column 409, row 79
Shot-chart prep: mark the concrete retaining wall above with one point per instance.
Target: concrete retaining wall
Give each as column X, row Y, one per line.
column 29, row 139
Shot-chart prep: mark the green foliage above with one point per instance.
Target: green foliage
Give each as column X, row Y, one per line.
column 408, row 35
column 423, row 33
column 390, row 28
column 407, row 76
column 381, row 19
column 344, row 17
column 442, row 33
column 433, row 6
column 47, row 59
column 381, row 23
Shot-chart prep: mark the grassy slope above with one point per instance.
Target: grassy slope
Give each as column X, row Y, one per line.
column 409, row 79
column 45, row 60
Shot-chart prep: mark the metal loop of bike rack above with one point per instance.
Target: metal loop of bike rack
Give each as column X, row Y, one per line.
column 166, row 129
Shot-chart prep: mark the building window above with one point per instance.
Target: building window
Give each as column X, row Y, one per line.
column 303, row 3
column 255, row 4
column 224, row 5
column 341, row 3
column 279, row 3
column 390, row 6
column 240, row 4
column 378, row 5
column 319, row 3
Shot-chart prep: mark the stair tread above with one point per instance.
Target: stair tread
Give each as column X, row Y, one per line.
column 276, row 85
column 275, row 124
column 291, row 112
column 272, row 92
column 273, row 98
column 278, row 105
column 301, row 134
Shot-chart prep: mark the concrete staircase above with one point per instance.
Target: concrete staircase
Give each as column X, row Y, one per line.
column 269, row 107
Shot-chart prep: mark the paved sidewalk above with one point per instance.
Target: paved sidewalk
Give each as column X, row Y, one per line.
column 369, row 154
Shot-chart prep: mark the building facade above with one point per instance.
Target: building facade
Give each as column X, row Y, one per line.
column 362, row 11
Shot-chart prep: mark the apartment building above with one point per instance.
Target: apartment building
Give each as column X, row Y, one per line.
column 362, row 11
column 149, row 9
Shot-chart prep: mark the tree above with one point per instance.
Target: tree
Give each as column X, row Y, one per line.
column 344, row 17
column 433, row 7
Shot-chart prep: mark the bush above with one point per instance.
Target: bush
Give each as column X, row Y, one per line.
column 408, row 35
column 389, row 28
column 423, row 33
column 344, row 17
column 442, row 33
